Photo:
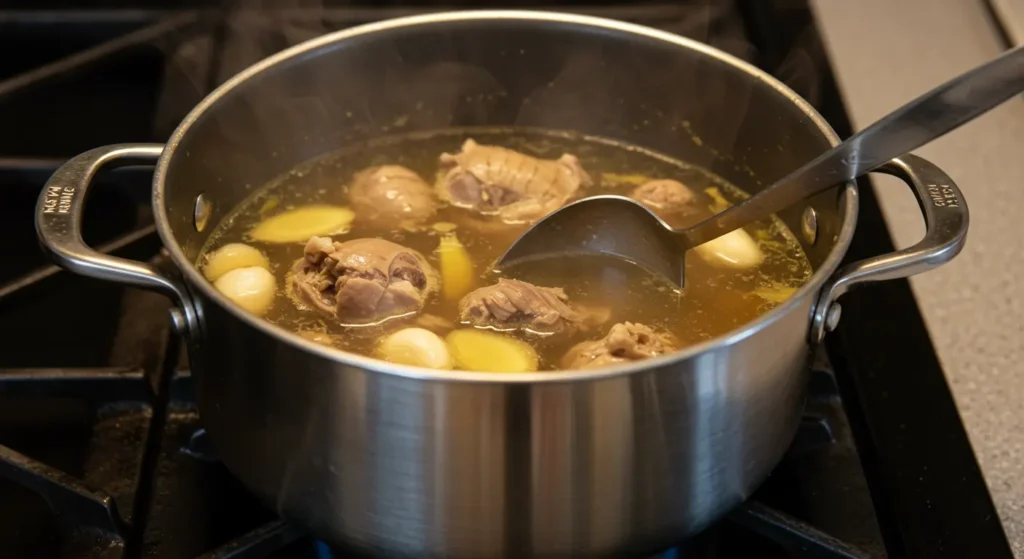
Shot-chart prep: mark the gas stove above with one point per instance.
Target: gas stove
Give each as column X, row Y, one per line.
column 102, row 452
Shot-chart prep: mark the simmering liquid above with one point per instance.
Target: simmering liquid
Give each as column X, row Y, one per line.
column 716, row 300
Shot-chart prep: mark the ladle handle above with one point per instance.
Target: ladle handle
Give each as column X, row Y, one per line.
column 911, row 126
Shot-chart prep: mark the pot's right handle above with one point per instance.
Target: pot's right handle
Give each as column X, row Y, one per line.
column 59, row 222
column 946, row 219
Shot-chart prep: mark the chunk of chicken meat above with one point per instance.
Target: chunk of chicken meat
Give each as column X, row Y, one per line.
column 664, row 196
column 513, row 304
column 515, row 187
column 626, row 341
column 391, row 193
column 362, row 281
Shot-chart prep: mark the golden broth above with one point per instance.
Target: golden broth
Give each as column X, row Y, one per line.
column 716, row 299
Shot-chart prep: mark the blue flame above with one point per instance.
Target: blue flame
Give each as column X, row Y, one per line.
column 322, row 551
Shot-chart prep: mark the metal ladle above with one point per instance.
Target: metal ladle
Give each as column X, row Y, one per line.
column 620, row 226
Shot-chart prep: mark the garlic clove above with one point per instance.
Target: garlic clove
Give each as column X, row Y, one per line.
column 736, row 249
column 416, row 346
column 252, row 288
column 231, row 257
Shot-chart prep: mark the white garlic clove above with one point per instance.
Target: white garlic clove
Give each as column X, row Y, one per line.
column 416, row 346
column 231, row 257
column 252, row 288
column 736, row 249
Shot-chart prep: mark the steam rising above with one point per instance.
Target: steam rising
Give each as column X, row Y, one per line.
column 250, row 30
column 801, row 68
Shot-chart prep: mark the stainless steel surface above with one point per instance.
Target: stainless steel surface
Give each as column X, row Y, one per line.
column 59, row 225
column 809, row 225
column 946, row 219
column 613, row 225
column 202, row 212
column 926, row 118
column 60, row 209
column 607, row 225
column 407, row 461
column 832, row 317
column 973, row 306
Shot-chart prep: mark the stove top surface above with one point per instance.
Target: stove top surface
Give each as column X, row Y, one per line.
column 102, row 453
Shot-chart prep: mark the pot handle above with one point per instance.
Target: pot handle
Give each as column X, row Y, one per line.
column 59, row 220
column 946, row 218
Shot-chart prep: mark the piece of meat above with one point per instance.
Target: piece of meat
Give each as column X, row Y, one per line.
column 362, row 281
column 592, row 316
column 664, row 196
column 513, row 304
column 390, row 194
column 626, row 341
column 515, row 187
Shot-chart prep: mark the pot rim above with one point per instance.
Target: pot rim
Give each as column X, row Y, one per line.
column 196, row 280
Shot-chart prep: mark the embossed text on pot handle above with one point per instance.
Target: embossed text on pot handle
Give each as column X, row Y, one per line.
column 946, row 219
column 59, row 220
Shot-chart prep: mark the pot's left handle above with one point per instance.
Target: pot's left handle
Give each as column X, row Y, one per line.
column 946, row 219
column 59, row 220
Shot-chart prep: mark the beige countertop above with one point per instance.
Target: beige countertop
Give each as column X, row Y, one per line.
column 884, row 53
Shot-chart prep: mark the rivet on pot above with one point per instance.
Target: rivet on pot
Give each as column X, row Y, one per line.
column 178, row 321
column 202, row 213
column 832, row 318
column 809, row 225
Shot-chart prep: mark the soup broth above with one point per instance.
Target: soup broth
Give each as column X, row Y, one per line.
column 717, row 298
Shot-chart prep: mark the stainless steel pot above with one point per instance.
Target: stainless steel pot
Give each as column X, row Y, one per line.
column 416, row 462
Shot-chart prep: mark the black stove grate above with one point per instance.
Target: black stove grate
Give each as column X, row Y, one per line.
column 103, row 454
